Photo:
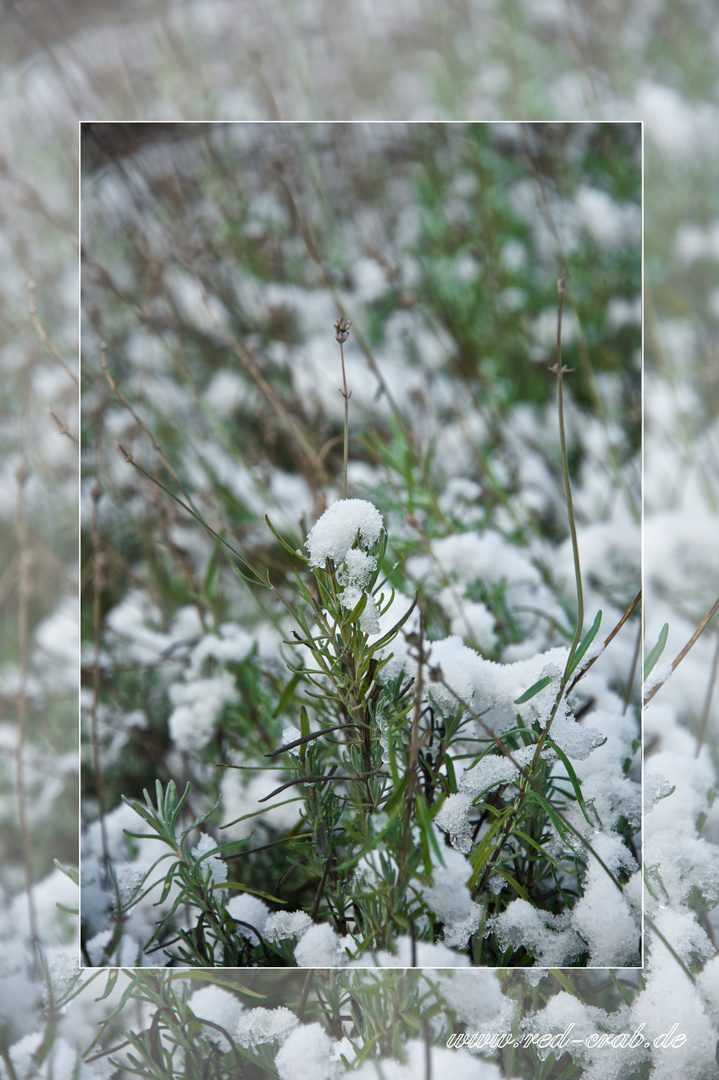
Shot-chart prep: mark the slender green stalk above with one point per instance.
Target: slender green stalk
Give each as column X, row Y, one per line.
column 342, row 332
column 559, row 370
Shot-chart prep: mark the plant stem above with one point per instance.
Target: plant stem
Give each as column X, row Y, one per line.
column 346, row 396
column 559, row 370
column 342, row 332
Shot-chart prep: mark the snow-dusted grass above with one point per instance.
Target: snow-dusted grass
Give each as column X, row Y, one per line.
column 388, row 728
column 652, row 61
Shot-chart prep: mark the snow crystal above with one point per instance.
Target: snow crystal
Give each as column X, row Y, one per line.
column 708, row 984
column 357, row 568
column 576, row 740
column 218, row 1005
column 493, row 769
column 369, row 619
column 320, row 946
column 476, row 996
column 658, row 675
column 96, row 947
column 336, row 531
column 549, row 938
column 286, row 924
column 450, row 900
column 421, row 954
column 602, row 915
column 668, row 998
column 309, row 1054
column 61, row 1060
column 251, row 910
column 453, row 818
column 216, row 865
column 656, row 787
column 460, row 676
column 233, row 645
column 444, row 1062
column 257, row 1026
column 197, row 706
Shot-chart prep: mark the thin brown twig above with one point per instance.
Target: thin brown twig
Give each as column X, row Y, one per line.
column 708, row 702
column 24, row 558
column 583, row 671
column 248, row 362
column 98, row 573
column 45, row 337
column 632, row 670
column 63, row 428
column 114, row 386
column 342, row 329
column 329, row 285
column 689, row 645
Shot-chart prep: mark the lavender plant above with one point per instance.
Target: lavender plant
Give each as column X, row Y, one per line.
column 506, row 66
column 399, row 846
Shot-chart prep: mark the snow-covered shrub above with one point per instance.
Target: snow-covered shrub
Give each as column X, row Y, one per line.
column 401, row 725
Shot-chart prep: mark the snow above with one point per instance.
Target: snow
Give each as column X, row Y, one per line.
column 232, row 645
column 320, row 946
column 257, row 1026
column 444, row 1062
column 549, row 938
column 222, row 1008
column 249, row 910
column 309, row 1053
column 339, row 527
column 422, row 954
column 216, row 865
column 196, row 709
column 450, row 900
column 286, row 924
column 602, row 915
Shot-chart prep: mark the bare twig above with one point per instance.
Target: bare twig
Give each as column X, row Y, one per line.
column 98, row 573
column 63, row 428
column 583, row 671
column 45, row 337
column 708, row 702
column 141, row 424
column 249, row 363
column 342, row 332
column 24, row 557
column 689, row 645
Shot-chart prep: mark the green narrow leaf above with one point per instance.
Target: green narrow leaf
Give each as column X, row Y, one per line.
column 451, row 775
column 304, row 730
column 199, row 975
column 559, row 825
column 573, row 779
column 513, row 882
column 213, row 564
column 110, row 984
column 483, row 850
column 287, row 694
column 650, row 661
column 359, row 608
column 425, row 823
column 584, row 644
column 285, row 545
column 533, row 690
column 240, row 886
column 391, row 634
column 68, row 871
column 66, row 910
